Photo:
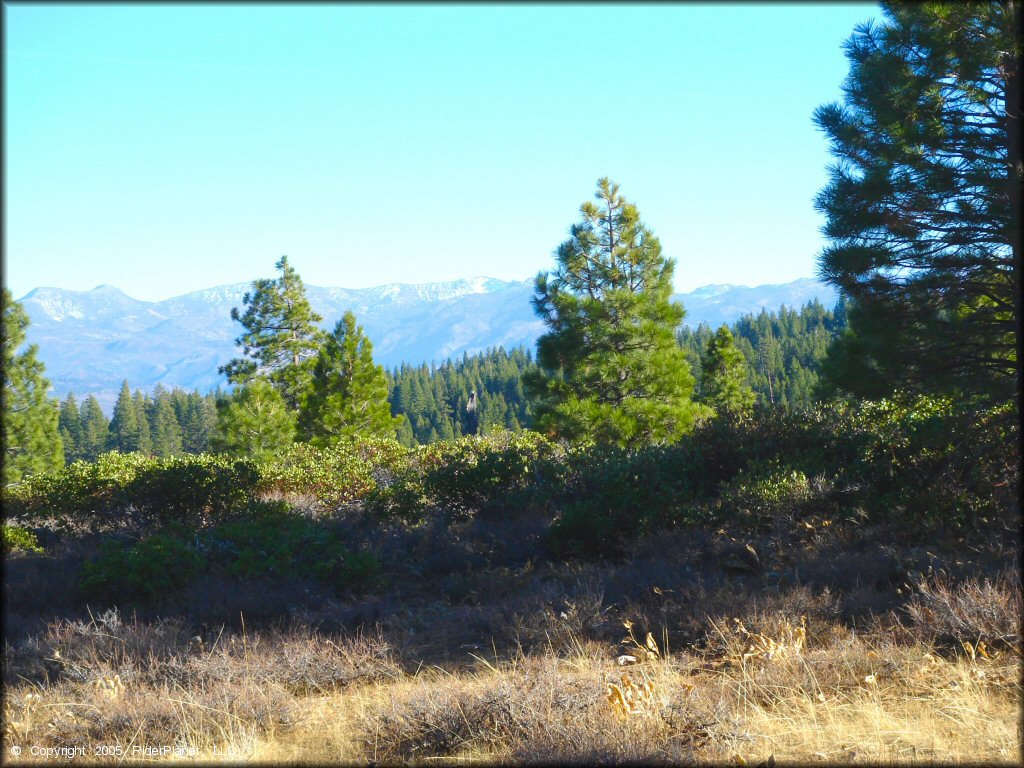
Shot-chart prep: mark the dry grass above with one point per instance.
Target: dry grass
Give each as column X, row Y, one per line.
column 770, row 684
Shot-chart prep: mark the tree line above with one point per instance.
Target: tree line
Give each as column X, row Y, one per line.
column 781, row 353
column 165, row 423
column 434, row 399
column 782, row 350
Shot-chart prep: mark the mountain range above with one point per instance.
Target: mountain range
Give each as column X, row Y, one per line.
column 91, row 340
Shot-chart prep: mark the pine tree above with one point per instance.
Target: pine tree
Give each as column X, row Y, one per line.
column 165, row 429
column 924, row 207
column 280, row 339
column 179, row 401
column 143, row 407
column 95, row 429
column 253, row 422
column 29, row 429
column 724, row 377
column 349, row 393
column 610, row 368
column 200, row 417
column 769, row 361
column 404, row 432
column 124, row 426
column 70, row 426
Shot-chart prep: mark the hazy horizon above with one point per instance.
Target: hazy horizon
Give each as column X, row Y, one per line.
column 19, row 297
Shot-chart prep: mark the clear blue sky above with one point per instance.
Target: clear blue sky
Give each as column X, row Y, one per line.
column 167, row 148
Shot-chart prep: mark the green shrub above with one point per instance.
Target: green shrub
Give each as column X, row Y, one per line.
column 935, row 461
column 761, row 492
column 148, row 570
column 136, row 492
column 81, row 494
column 193, row 490
column 334, row 475
column 17, row 539
column 269, row 540
column 273, row 540
column 609, row 496
column 494, row 472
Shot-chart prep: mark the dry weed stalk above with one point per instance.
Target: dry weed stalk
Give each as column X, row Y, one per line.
column 632, row 698
column 649, row 647
column 789, row 645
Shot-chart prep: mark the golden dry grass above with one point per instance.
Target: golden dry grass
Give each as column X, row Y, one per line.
column 766, row 686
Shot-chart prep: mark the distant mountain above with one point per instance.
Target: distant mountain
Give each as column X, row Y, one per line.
column 717, row 304
column 91, row 340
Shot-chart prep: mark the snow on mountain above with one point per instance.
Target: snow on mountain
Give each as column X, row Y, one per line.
column 91, row 340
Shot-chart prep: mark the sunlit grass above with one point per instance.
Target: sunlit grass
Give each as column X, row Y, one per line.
column 303, row 696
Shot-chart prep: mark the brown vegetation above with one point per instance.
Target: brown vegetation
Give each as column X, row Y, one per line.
column 650, row 660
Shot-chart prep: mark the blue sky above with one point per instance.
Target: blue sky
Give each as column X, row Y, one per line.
column 168, row 148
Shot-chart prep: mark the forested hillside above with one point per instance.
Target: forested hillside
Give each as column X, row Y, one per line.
column 434, row 399
column 783, row 350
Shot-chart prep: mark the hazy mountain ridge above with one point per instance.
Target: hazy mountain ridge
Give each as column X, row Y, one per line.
column 91, row 340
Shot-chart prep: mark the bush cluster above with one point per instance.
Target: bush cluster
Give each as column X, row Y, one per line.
column 140, row 493
column 18, row 539
column 924, row 462
column 499, row 473
column 134, row 491
column 335, row 475
column 935, row 461
column 149, row 569
column 271, row 540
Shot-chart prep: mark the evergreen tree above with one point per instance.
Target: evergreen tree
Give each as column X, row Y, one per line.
column 610, row 368
column 923, row 207
column 349, row 393
column 95, row 429
column 124, row 426
column 253, row 422
column 404, row 432
column 164, row 426
column 198, row 422
column 143, row 407
column 724, row 377
column 70, row 426
column 437, row 400
column 769, row 361
column 179, row 401
column 281, row 339
column 29, row 428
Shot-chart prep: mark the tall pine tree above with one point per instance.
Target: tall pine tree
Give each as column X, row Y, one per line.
column 197, row 424
column 609, row 366
column 124, row 426
column 29, row 429
column 923, row 207
column 70, row 426
column 95, row 429
column 281, row 339
column 349, row 394
column 164, row 427
column 143, row 406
